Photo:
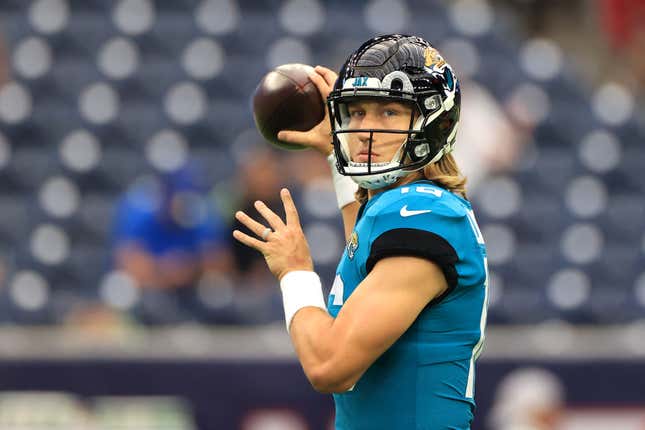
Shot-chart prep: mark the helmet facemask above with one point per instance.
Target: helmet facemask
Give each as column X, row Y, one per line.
column 415, row 152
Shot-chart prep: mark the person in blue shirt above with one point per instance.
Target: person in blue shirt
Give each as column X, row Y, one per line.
column 167, row 236
column 404, row 322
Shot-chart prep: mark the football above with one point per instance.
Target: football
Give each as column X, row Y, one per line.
column 286, row 99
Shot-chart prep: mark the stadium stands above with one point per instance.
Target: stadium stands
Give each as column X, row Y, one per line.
column 105, row 92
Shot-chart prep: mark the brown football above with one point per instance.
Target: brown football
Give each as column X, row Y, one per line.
column 286, row 99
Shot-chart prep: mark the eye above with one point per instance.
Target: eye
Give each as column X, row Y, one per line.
column 356, row 113
column 390, row 112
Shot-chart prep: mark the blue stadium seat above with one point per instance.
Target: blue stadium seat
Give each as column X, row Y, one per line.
column 169, row 35
column 567, row 122
column 533, row 262
column 610, row 303
column 84, row 34
column 71, row 74
column 31, row 165
column 625, row 216
column 156, row 75
column 87, row 263
column 631, row 164
column 139, row 119
column 555, row 167
column 119, row 168
column 521, row 304
column 95, row 217
column 14, row 218
column 256, row 30
column 239, row 78
column 536, row 208
column 227, row 118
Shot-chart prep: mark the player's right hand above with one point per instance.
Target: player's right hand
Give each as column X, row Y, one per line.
column 319, row 137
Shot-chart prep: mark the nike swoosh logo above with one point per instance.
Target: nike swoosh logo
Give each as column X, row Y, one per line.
column 405, row 212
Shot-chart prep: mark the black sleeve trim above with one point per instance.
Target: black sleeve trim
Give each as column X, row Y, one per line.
column 418, row 243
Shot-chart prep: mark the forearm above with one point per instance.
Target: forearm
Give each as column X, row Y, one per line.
column 316, row 337
column 321, row 352
column 310, row 329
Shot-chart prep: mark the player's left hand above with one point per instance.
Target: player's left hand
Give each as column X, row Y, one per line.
column 285, row 248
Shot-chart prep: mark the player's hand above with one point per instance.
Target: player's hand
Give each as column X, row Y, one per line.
column 319, row 137
column 285, row 249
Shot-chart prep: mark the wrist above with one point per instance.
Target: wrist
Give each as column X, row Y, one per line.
column 300, row 289
column 297, row 264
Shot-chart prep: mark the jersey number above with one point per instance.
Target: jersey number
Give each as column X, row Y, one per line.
column 470, row 387
column 475, row 227
column 421, row 189
column 337, row 290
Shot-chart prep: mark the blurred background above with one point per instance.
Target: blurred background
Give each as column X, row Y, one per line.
column 127, row 142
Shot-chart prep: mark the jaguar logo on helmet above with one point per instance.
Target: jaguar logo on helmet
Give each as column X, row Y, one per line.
column 433, row 58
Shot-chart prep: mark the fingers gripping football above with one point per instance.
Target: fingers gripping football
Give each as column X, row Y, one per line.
column 319, row 136
column 285, row 248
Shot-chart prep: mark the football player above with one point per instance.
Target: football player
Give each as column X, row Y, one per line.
column 404, row 322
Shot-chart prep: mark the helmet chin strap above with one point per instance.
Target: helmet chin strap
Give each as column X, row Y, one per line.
column 380, row 180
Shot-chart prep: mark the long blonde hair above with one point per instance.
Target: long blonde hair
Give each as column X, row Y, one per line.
column 444, row 173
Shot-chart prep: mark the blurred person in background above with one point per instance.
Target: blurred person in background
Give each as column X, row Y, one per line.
column 528, row 399
column 256, row 299
column 167, row 237
column 259, row 179
column 495, row 151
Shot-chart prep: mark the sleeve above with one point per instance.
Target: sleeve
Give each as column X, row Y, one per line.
column 416, row 243
column 434, row 236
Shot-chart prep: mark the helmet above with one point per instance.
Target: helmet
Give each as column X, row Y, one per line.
column 405, row 69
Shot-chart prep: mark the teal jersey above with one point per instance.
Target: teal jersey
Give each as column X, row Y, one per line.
column 425, row 380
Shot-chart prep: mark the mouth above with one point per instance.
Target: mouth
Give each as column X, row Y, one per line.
column 363, row 157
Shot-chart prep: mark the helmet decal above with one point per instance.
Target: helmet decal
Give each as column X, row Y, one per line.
column 433, row 58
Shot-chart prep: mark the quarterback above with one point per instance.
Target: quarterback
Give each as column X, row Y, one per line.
column 397, row 340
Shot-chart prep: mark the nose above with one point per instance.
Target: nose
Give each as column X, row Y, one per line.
column 368, row 122
column 363, row 137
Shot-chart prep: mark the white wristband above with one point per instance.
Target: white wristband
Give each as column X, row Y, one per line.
column 344, row 186
column 300, row 289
